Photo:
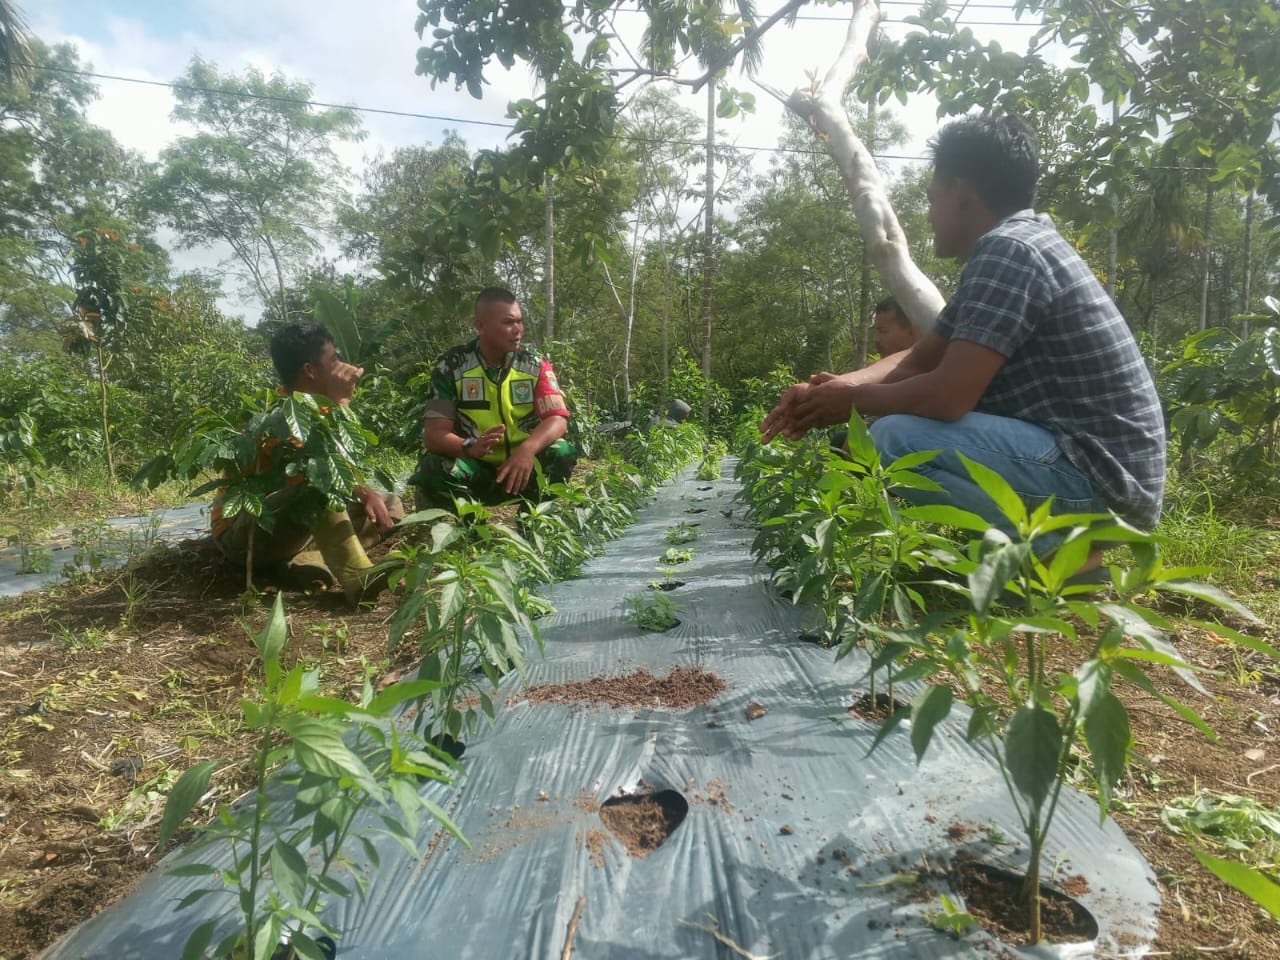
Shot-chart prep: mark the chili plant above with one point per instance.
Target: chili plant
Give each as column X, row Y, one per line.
column 1053, row 716
column 464, row 603
column 344, row 762
column 652, row 610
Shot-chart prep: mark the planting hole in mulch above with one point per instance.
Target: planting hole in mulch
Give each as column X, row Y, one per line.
column 879, row 707
column 994, row 897
column 643, row 821
column 682, row 687
column 696, row 510
column 447, row 744
column 666, row 586
column 671, row 625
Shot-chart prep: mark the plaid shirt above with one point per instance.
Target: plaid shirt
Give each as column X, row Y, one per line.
column 1072, row 366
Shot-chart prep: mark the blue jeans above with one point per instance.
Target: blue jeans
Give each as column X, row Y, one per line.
column 1026, row 456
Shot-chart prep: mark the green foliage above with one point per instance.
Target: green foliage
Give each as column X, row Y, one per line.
column 344, row 762
column 950, row 918
column 673, row 555
column 470, row 606
column 290, row 439
column 682, row 532
column 841, row 541
column 1239, row 824
column 259, row 173
column 652, row 610
column 1225, row 391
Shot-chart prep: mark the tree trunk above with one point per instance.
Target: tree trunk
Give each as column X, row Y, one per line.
column 284, row 299
column 667, row 267
column 549, row 276
column 1207, row 227
column 708, row 253
column 1246, row 282
column 106, row 419
column 882, row 234
column 1113, row 235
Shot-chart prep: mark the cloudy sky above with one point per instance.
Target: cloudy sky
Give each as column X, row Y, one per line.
column 364, row 53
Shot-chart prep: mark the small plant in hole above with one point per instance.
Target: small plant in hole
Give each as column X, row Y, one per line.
column 682, row 532
column 671, row 556
column 652, row 611
column 949, row 918
column 668, row 581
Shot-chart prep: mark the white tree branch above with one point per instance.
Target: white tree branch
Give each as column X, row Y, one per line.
column 885, row 240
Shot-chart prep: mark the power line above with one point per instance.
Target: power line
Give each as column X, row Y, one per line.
column 297, row 101
column 242, row 95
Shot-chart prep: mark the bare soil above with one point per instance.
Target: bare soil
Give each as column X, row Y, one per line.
column 643, row 821
column 110, row 688
column 683, row 687
column 994, row 897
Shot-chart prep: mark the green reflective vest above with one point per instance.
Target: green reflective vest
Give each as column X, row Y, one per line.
column 482, row 403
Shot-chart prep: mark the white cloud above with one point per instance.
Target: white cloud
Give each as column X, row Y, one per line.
column 365, row 54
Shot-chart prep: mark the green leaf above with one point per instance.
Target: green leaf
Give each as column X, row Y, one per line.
column 271, row 640
column 341, row 323
column 994, row 572
column 1032, row 744
column 928, row 709
column 184, row 796
column 998, row 489
column 319, row 747
column 1253, row 643
column 1252, row 883
column 1106, row 731
column 289, row 872
column 1203, row 591
column 199, row 941
column 947, row 515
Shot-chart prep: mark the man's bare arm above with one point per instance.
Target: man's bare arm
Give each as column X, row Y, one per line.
column 946, row 392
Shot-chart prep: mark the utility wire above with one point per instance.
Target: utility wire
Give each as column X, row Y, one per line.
column 241, row 95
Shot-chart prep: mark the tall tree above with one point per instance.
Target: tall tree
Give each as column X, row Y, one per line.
column 15, row 44
column 259, row 175
column 59, row 175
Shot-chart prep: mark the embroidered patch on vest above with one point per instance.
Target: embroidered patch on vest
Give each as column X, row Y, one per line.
column 472, row 388
column 522, row 391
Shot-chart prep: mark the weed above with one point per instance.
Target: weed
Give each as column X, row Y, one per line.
column 1240, row 824
column 652, row 611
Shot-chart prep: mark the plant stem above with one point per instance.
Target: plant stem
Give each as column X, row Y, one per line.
column 1031, row 888
column 250, row 906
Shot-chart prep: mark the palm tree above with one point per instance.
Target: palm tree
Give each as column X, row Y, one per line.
column 15, row 47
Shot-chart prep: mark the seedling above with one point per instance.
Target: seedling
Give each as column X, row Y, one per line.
column 950, row 919
column 672, row 556
column 682, row 532
column 652, row 611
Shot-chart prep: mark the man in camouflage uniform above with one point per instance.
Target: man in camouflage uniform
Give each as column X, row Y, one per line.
column 493, row 407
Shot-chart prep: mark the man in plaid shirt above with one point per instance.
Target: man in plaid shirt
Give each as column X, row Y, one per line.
column 1030, row 368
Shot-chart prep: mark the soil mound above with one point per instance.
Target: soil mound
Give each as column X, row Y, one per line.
column 682, row 687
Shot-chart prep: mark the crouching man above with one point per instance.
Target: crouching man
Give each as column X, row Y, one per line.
column 493, row 409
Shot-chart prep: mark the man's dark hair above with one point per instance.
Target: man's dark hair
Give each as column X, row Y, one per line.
column 998, row 155
column 294, row 344
column 891, row 305
column 494, row 295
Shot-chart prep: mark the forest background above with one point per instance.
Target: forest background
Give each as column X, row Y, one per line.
column 1160, row 166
